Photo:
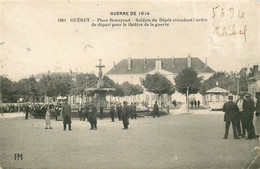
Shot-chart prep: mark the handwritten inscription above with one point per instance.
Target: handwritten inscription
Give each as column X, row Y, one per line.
column 234, row 27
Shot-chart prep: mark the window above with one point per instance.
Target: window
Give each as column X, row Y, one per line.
column 158, row 64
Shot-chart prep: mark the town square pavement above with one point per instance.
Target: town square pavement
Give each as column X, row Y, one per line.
column 179, row 140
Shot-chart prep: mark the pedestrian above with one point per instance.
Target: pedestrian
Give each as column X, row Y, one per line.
column 134, row 111
column 119, row 111
column 249, row 111
column 101, row 112
column 198, row 103
column 174, row 103
column 241, row 116
column 155, row 110
column 125, row 115
column 112, row 112
column 80, row 112
column 66, row 114
column 92, row 116
column 86, row 110
column 231, row 110
column 191, row 103
column 257, row 113
column 195, row 103
column 48, row 116
column 27, row 110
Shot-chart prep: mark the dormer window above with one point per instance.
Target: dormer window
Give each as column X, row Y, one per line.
column 158, row 64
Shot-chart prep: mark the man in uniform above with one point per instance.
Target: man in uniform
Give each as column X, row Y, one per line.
column 240, row 117
column 92, row 116
column 249, row 111
column 119, row 111
column 231, row 110
column 155, row 110
column 134, row 110
column 125, row 115
column 80, row 110
column 27, row 110
column 66, row 114
column 112, row 112
column 257, row 113
column 101, row 112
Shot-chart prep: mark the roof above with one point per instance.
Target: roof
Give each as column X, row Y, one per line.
column 217, row 90
column 172, row 65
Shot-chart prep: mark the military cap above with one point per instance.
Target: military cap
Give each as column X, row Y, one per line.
column 241, row 94
column 248, row 95
column 230, row 97
column 257, row 93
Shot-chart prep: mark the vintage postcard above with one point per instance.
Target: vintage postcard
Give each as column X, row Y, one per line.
column 129, row 84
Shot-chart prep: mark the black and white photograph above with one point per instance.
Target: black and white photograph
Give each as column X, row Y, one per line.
column 130, row 84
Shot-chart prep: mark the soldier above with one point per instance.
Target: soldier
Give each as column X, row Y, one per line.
column 198, row 103
column 27, row 110
column 231, row 110
column 155, row 110
column 101, row 112
column 125, row 115
column 195, row 103
column 112, row 112
column 134, row 110
column 257, row 113
column 191, row 103
column 92, row 116
column 239, row 120
column 119, row 111
column 249, row 111
column 66, row 114
column 86, row 109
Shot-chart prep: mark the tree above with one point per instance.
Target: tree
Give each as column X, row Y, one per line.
column 187, row 82
column 157, row 83
column 7, row 92
column 27, row 88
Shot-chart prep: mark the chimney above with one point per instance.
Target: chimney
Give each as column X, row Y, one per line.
column 129, row 63
column 114, row 68
column 206, row 61
column 173, row 61
column 145, row 63
column 189, row 60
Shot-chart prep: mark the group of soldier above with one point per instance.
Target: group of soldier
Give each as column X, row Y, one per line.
column 39, row 110
column 124, row 112
column 241, row 115
column 195, row 103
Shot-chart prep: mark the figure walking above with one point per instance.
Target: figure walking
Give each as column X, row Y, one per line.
column 231, row 110
column 48, row 116
column 119, row 111
column 92, row 116
column 125, row 115
column 66, row 114
column 240, row 120
column 155, row 110
column 249, row 111
column 112, row 112
column 257, row 113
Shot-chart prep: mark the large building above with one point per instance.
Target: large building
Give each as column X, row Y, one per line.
column 132, row 70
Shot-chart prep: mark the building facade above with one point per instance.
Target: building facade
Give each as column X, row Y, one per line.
column 132, row 70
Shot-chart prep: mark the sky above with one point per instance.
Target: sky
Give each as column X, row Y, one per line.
column 33, row 41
